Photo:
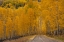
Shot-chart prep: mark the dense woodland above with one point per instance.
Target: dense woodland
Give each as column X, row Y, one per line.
column 28, row 17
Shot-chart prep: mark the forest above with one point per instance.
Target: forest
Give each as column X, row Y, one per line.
column 20, row 18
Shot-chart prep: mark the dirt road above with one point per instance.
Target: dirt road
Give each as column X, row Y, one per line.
column 36, row 38
column 43, row 39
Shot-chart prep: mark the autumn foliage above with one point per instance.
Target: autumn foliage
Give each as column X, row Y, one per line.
column 32, row 17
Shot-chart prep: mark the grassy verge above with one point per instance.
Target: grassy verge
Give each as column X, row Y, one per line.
column 58, row 37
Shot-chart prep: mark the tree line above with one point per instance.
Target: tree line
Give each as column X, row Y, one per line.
column 45, row 17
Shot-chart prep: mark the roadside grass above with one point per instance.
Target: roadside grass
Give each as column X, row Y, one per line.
column 58, row 37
